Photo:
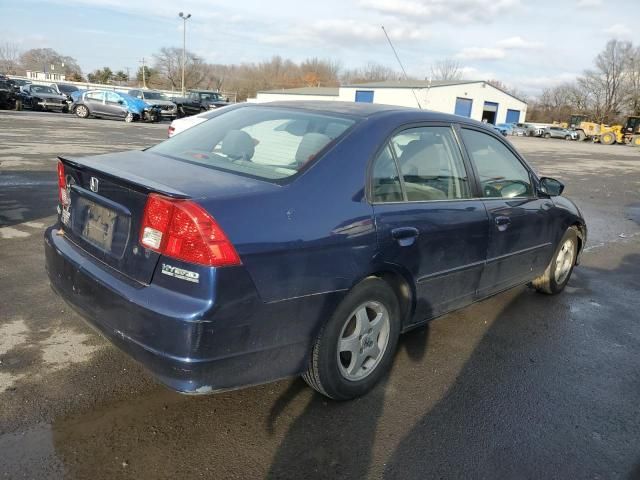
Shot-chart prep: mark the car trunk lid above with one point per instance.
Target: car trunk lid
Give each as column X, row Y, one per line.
column 107, row 198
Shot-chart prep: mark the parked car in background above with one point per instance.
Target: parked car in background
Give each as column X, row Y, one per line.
column 66, row 90
column 19, row 82
column 559, row 132
column 109, row 104
column 301, row 238
column 181, row 124
column 198, row 101
column 168, row 109
column 531, row 130
column 43, row 97
column 504, row 128
column 8, row 93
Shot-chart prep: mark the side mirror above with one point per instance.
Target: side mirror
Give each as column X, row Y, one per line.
column 551, row 186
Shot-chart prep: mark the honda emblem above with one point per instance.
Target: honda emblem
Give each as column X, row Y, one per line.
column 93, row 184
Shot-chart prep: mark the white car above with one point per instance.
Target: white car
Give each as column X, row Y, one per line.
column 182, row 124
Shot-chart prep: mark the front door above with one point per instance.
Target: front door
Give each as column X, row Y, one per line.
column 520, row 243
column 114, row 105
column 428, row 224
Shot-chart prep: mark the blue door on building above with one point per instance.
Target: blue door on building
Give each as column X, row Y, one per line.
column 364, row 96
column 463, row 107
column 513, row 116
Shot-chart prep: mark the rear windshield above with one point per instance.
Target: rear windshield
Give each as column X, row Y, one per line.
column 263, row 142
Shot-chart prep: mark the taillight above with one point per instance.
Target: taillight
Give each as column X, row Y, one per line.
column 183, row 230
column 171, row 130
column 63, row 195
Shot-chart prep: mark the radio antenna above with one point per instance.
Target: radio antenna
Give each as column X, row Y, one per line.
column 406, row 77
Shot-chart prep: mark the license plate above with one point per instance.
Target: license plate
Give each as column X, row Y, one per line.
column 99, row 224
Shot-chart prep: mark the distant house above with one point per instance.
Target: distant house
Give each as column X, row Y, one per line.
column 56, row 77
column 475, row 99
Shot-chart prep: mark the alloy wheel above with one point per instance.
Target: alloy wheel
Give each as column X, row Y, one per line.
column 564, row 261
column 363, row 340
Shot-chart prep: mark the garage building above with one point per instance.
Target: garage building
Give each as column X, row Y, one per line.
column 469, row 98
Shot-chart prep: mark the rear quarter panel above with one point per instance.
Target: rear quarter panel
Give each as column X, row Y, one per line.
column 313, row 235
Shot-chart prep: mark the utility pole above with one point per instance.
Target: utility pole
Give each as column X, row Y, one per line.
column 184, row 42
column 144, row 78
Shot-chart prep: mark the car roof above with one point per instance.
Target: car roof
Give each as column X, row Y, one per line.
column 366, row 110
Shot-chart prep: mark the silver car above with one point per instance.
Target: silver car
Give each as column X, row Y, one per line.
column 168, row 109
column 559, row 132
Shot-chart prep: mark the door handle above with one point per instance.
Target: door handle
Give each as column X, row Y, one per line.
column 502, row 222
column 405, row 236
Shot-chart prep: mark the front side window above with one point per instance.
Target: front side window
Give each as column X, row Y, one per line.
column 430, row 164
column 501, row 173
column 112, row 97
column 264, row 142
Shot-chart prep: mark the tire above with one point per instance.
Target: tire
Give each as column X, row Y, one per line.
column 82, row 111
column 635, row 141
column 129, row 117
column 547, row 135
column 607, row 138
column 558, row 272
column 581, row 136
column 567, row 137
column 337, row 374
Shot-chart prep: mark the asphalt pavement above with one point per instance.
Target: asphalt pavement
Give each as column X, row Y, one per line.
column 522, row 385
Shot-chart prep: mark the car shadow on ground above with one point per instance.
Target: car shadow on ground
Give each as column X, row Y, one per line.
column 27, row 195
column 530, row 402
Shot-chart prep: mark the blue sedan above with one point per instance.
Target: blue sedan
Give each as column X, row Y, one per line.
column 301, row 238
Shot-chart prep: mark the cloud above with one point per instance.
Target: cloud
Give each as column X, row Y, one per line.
column 590, row 3
column 518, row 43
column 344, row 32
column 619, row 30
column 481, row 53
column 459, row 11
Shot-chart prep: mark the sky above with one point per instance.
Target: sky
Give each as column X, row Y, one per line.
column 527, row 44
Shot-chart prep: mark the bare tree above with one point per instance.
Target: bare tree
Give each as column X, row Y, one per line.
column 320, row 73
column 43, row 59
column 447, row 69
column 9, row 58
column 168, row 63
column 632, row 84
column 507, row 88
column 372, row 72
column 604, row 84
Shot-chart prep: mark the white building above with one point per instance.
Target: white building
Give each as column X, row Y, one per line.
column 56, row 77
column 474, row 99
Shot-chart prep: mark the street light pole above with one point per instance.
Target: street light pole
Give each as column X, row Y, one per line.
column 184, row 43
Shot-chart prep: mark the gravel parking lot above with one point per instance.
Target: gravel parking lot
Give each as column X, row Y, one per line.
column 518, row 386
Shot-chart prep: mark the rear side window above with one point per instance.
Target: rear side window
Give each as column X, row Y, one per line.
column 258, row 141
column 430, row 164
column 95, row 96
column 500, row 172
column 385, row 182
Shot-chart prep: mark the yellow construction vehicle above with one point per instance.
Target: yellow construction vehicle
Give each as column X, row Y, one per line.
column 631, row 131
column 599, row 132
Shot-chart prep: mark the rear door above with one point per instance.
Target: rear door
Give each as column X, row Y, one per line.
column 95, row 102
column 428, row 223
column 520, row 239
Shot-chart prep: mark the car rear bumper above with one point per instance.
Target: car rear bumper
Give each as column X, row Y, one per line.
column 190, row 345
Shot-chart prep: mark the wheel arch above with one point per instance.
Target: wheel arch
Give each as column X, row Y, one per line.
column 404, row 289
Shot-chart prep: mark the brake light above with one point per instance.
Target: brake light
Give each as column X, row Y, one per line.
column 63, row 196
column 183, row 230
column 171, row 130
